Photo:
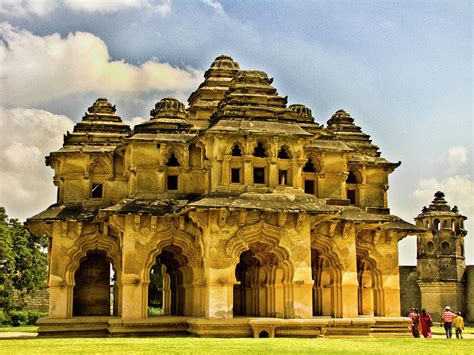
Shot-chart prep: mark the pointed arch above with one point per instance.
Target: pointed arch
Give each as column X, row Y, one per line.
column 97, row 242
column 258, row 232
column 100, row 166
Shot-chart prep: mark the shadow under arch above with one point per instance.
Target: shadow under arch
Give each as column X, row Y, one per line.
column 263, row 272
column 108, row 260
column 181, row 269
column 370, row 290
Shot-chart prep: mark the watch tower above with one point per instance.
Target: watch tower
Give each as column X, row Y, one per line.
column 440, row 257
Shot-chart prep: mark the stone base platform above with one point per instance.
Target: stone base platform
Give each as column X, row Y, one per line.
column 238, row 327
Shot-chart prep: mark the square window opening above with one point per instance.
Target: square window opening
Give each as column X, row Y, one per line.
column 235, row 176
column 283, row 177
column 96, row 190
column 172, row 182
column 351, row 196
column 258, row 175
column 309, row 187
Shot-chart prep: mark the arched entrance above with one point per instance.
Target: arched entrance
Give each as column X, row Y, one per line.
column 262, row 282
column 170, row 277
column 95, row 289
column 370, row 290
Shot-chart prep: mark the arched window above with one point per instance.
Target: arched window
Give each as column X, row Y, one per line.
column 283, row 153
column 430, row 246
column 172, row 161
column 259, row 151
column 351, row 178
column 236, row 151
column 436, row 224
column 309, row 167
column 352, row 193
column 445, row 247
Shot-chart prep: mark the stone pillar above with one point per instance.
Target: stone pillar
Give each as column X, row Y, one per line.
column 219, row 294
column 226, row 171
column 273, row 173
column 134, row 291
column 248, row 171
column 60, row 292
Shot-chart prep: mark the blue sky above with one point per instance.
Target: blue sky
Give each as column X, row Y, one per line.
column 403, row 69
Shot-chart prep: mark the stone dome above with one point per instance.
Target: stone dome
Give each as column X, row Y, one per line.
column 102, row 105
column 302, row 111
column 340, row 116
column 168, row 108
column 225, row 62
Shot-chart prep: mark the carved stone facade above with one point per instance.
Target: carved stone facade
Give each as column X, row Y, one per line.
column 250, row 207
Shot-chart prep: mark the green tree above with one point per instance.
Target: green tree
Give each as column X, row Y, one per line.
column 7, row 263
column 30, row 259
column 23, row 261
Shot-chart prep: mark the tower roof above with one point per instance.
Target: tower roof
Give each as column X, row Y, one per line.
column 343, row 127
column 217, row 79
column 439, row 206
column 99, row 126
column 169, row 115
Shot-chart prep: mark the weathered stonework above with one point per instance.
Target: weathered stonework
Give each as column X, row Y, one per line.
column 253, row 209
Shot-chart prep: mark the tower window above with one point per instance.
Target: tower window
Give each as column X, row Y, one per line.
column 172, row 182
column 235, row 175
column 258, row 175
column 436, row 224
column 430, row 246
column 96, row 191
column 309, row 187
column 445, row 246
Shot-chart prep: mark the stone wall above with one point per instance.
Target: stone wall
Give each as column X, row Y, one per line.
column 410, row 295
column 470, row 293
column 39, row 302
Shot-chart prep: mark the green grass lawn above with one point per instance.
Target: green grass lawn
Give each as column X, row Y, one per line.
column 440, row 330
column 26, row 328
column 237, row 346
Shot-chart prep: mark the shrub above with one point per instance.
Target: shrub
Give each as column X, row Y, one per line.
column 154, row 311
column 34, row 315
column 4, row 319
column 19, row 318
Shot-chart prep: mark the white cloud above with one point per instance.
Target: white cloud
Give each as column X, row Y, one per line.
column 459, row 190
column 28, row 135
column 37, row 69
column 162, row 8
column 134, row 121
column 457, row 157
column 23, row 8
column 215, row 4
column 102, row 5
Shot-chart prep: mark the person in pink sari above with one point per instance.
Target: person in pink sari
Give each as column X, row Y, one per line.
column 425, row 323
column 415, row 323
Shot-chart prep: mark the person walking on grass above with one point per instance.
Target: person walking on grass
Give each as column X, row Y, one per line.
column 426, row 323
column 447, row 320
column 415, row 323
column 458, row 323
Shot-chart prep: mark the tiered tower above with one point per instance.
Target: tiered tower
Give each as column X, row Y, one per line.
column 440, row 258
